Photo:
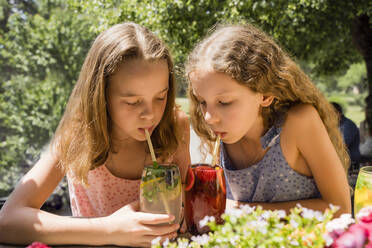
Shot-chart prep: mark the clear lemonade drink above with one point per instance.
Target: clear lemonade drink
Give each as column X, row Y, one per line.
column 160, row 190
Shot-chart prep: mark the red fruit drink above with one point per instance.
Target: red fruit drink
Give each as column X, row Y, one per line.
column 205, row 196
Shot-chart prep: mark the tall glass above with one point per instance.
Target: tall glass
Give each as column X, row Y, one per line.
column 205, row 196
column 160, row 190
column 363, row 189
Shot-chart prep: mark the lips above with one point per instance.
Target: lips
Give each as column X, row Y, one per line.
column 149, row 128
column 222, row 134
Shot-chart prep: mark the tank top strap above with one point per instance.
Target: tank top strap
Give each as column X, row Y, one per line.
column 272, row 136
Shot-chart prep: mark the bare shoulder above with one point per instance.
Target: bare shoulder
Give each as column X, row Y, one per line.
column 302, row 111
column 302, row 116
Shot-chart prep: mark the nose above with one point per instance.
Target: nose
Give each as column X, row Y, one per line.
column 148, row 112
column 210, row 117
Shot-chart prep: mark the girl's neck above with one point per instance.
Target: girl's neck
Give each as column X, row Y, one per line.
column 127, row 143
column 128, row 158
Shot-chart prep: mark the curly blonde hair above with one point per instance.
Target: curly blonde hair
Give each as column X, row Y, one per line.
column 83, row 138
column 254, row 60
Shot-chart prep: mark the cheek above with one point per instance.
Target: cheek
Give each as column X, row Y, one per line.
column 162, row 107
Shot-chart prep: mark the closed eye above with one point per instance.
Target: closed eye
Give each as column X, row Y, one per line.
column 224, row 103
column 133, row 103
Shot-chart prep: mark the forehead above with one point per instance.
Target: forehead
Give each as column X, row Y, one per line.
column 139, row 76
column 209, row 83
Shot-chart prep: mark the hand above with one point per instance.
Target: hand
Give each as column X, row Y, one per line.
column 183, row 228
column 128, row 227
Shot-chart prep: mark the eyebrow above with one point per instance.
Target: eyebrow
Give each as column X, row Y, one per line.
column 129, row 94
column 225, row 93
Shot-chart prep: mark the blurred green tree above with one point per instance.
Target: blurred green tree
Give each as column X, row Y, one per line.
column 329, row 34
column 42, row 53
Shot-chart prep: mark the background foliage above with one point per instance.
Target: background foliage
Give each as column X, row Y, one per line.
column 43, row 44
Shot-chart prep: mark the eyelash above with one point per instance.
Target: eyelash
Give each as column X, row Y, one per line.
column 224, row 103
column 132, row 104
column 137, row 102
column 203, row 103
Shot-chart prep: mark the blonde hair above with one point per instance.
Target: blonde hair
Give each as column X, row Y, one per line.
column 83, row 138
column 254, row 60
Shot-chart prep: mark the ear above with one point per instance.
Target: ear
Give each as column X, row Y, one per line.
column 267, row 100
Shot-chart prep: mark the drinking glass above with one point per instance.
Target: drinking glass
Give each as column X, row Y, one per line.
column 205, row 196
column 160, row 190
column 363, row 189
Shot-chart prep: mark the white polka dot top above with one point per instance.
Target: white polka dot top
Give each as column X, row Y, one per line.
column 270, row 180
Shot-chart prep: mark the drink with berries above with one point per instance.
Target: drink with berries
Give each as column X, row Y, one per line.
column 205, row 196
column 160, row 190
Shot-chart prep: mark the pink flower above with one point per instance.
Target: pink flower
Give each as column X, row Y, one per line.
column 37, row 245
column 365, row 215
column 355, row 237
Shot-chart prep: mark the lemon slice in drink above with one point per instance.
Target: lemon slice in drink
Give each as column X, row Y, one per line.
column 150, row 182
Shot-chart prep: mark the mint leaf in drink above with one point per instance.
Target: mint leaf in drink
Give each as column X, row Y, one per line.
column 155, row 165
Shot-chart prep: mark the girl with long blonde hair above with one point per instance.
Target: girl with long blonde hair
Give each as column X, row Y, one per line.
column 280, row 142
column 126, row 85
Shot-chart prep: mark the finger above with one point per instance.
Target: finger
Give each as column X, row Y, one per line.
column 154, row 219
column 161, row 230
column 183, row 227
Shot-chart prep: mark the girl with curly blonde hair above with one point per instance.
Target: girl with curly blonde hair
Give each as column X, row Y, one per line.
column 280, row 142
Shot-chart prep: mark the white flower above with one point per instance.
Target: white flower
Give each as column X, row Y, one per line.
column 307, row 213
column 265, row 215
column 334, row 207
column 205, row 220
column 234, row 239
column 201, row 239
column 166, row 243
column 212, row 219
column 328, row 239
column 319, row 216
column 340, row 223
column 260, row 225
column 182, row 244
column 310, row 214
column 247, row 209
column 281, row 214
column 364, row 212
column 294, row 242
column 293, row 223
column 234, row 212
column 155, row 241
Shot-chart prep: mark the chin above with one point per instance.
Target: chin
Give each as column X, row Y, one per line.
column 230, row 140
column 140, row 138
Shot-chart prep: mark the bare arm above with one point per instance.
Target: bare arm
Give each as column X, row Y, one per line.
column 315, row 146
column 22, row 221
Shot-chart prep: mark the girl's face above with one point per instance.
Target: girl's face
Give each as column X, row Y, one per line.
column 137, row 96
column 229, row 108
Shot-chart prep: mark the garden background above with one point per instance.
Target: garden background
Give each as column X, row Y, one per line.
column 43, row 44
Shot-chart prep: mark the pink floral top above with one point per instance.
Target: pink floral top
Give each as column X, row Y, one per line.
column 106, row 193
